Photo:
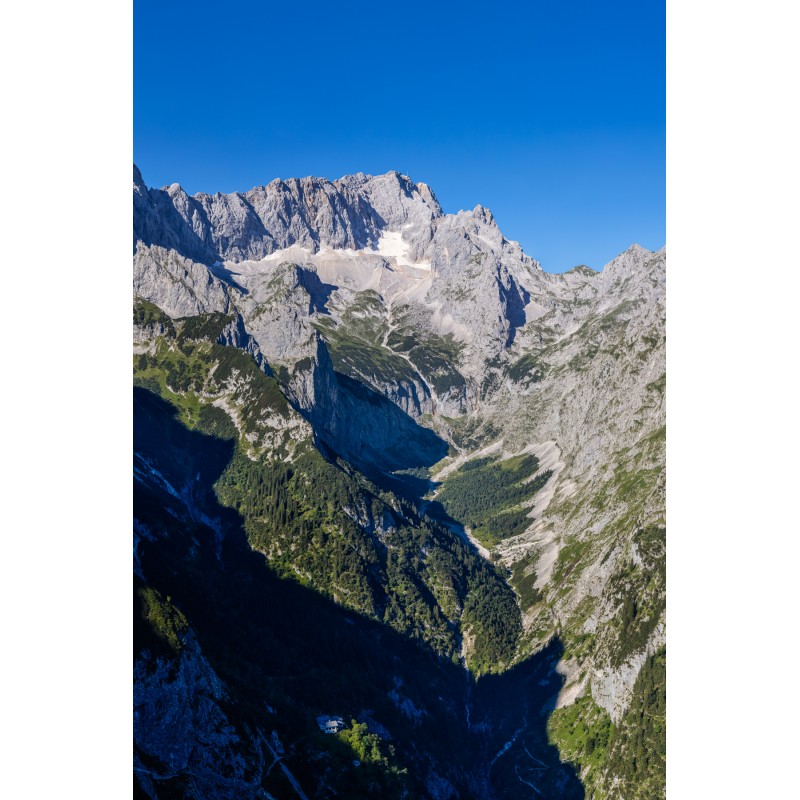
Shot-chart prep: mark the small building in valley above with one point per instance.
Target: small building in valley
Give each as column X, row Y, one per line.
column 329, row 724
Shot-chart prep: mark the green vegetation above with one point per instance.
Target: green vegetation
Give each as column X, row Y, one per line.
column 360, row 358
column 618, row 316
column 435, row 359
column 283, row 653
column 570, row 557
column 624, row 761
column 526, row 370
column 146, row 313
column 492, row 380
column 417, row 577
column 204, row 326
column 365, row 316
column 191, row 374
column 470, row 433
column 631, row 485
column 603, row 335
column 491, row 615
column 640, row 588
column 165, row 622
column 325, row 525
column 367, row 766
column 632, row 481
column 434, row 356
column 356, row 349
column 659, row 386
column 487, row 494
column 582, row 732
column 294, row 514
column 359, row 555
column 366, row 746
column 523, row 578
column 638, row 749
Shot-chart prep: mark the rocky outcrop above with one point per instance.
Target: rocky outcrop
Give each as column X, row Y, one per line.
column 182, row 733
column 612, row 687
column 176, row 284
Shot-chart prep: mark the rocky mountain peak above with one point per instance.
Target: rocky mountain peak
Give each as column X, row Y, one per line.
column 631, row 263
column 484, row 215
column 138, row 181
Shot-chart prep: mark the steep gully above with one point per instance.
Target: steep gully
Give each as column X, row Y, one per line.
column 536, row 679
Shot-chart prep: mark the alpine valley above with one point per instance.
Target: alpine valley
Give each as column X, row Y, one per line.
column 390, row 473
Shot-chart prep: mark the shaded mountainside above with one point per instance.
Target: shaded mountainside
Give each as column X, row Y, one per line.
column 389, row 470
column 234, row 662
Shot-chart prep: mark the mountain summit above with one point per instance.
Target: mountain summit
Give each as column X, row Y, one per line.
column 352, row 213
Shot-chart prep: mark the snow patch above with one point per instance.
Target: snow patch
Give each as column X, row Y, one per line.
column 392, row 245
column 288, row 253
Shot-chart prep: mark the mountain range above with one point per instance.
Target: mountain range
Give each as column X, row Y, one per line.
column 388, row 469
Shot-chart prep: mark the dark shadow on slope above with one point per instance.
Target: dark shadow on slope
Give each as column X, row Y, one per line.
column 435, row 511
column 156, row 221
column 224, row 274
column 272, row 641
column 377, row 436
column 405, row 484
column 195, row 460
column 515, row 298
column 318, row 291
column 510, row 713
column 280, row 646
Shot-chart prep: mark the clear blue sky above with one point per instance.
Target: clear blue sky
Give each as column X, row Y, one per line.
column 551, row 114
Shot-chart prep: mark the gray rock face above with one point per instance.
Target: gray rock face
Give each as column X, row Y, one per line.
column 177, row 285
column 182, row 729
column 310, row 212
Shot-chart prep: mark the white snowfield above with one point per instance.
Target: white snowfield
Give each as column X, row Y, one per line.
column 391, row 248
column 391, row 245
column 387, row 269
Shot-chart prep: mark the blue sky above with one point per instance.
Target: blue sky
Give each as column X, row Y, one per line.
column 550, row 114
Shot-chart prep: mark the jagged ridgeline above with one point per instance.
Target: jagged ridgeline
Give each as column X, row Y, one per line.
column 389, row 472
